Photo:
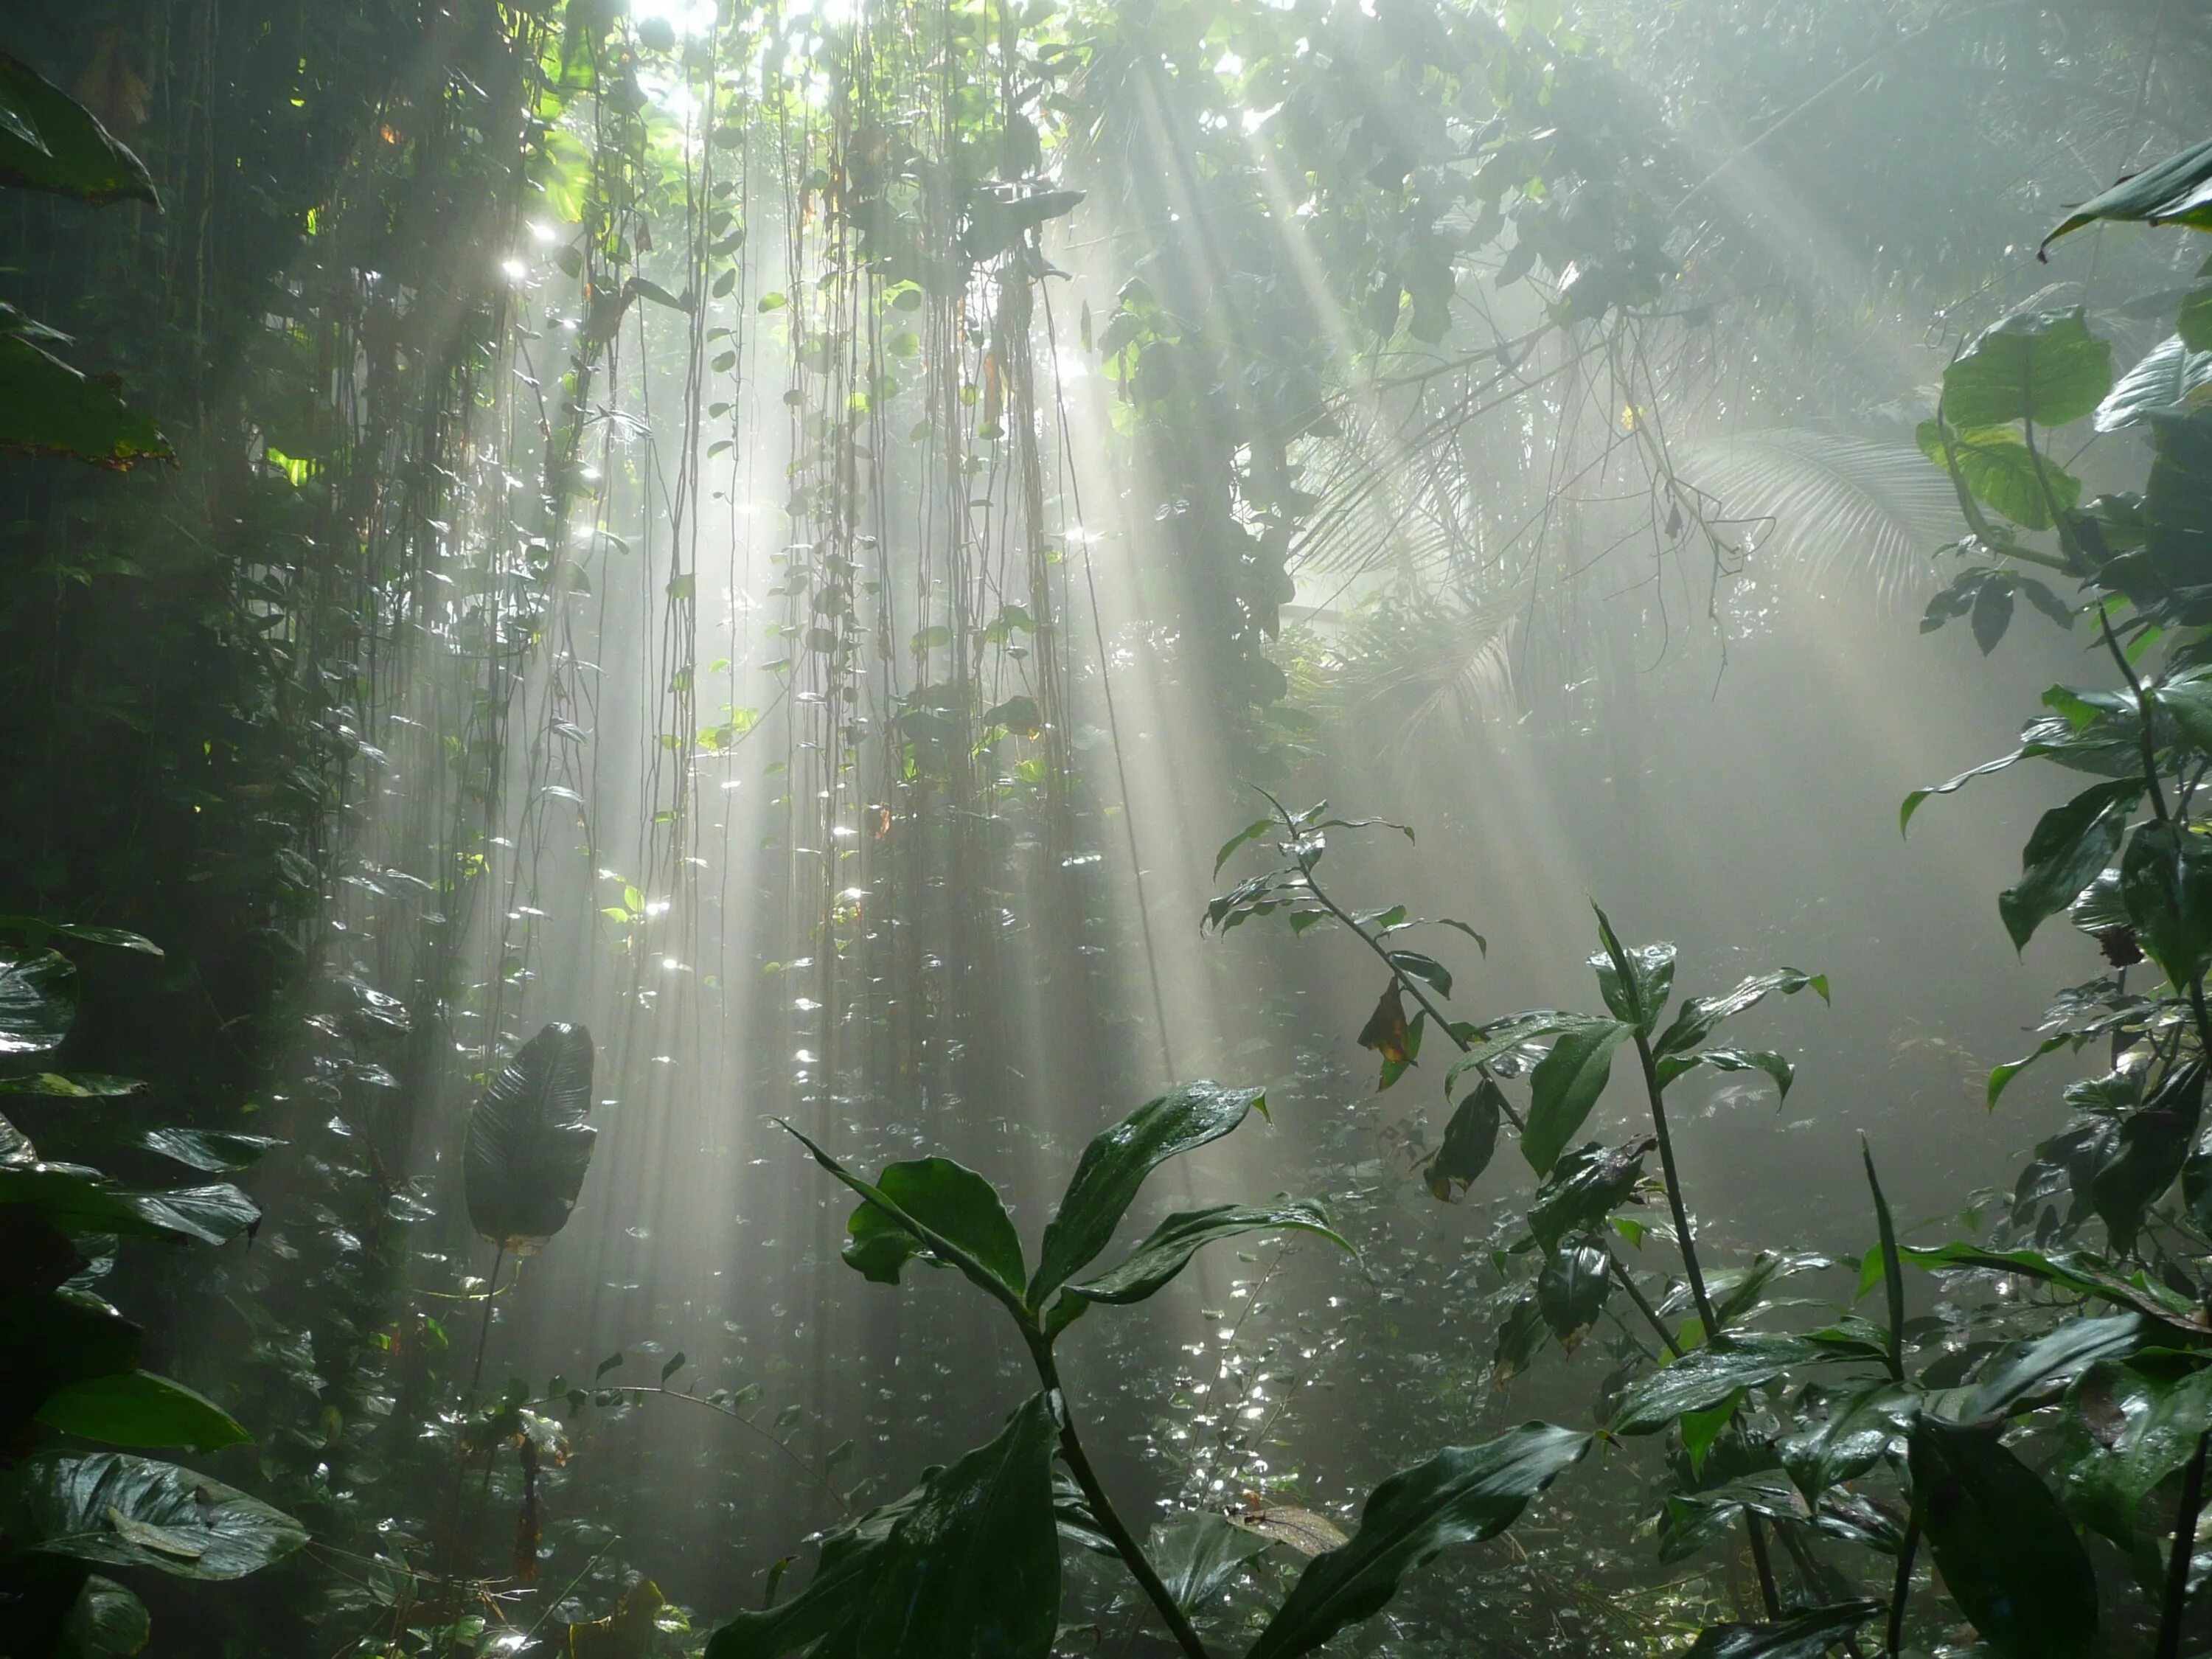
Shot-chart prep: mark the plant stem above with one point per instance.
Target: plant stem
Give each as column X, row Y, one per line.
column 1760, row 1558
column 1903, row 1587
column 483, row 1332
column 1102, row 1507
column 2185, row 1546
column 1682, row 1237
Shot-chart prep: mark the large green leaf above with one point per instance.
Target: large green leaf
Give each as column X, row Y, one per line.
column 1169, row 1247
column 2006, row 1549
column 1114, row 1167
column 2123, row 1429
column 2168, row 377
column 2043, row 365
column 78, row 1202
column 2069, row 848
column 37, row 1000
column 1197, row 1555
column 951, row 1201
column 1469, row 1143
column 141, row 1410
column 213, row 1152
column 1998, row 468
column 55, row 1339
column 528, row 1145
column 2178, row 191
column 49, row 141
column 1565, row 1085
column 1704, row 1377
column 1805, row 1635
column 1641, row 997
column 2153, row 1143
column 965, row 1566
column 1461, row 1495
column 2166, row 883
column 2025, row 1373
column 47, row 407
column 118, row 1510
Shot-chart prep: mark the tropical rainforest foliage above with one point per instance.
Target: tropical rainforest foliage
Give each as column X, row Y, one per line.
column 630, row 628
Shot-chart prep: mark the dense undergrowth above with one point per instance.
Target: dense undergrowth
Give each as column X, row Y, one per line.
column 389, row 641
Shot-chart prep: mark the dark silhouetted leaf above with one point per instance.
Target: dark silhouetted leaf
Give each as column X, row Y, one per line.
column 47, row 407
column 2069, row 848
column 140, row 1410
column 1461, row 1495
column 1469, row 1143
column 1570, row 1290
column 528, row 1145
column 49, row 141
column 2007, row 1552
column 1805, row 1635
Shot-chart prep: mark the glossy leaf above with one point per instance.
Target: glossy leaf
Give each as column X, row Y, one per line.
column 1805, row 1635
column 1700, row 1017
column 1641, row 997
column 2026, row 1373
column 1571, row 1291
column 1168, row 1250
column 140, row 1410
column 106, row 1622
column 1461, row 1495
column 952, row 1203
column 2154, row 1142
column 2008, row 1553
column 1704, row 1377
column 2178, row 191
column 114, row 1509
column 37, row 1000
column 213, row 1152
column 1565, row 1085
column 528, row 1145
column 2043, row 365
column 2070, row 846
column 1586, row 1185
column 49, row 141
column 1115, row 1165
column 2123, row 1429
column 2166, row 377
column 1863, row 1420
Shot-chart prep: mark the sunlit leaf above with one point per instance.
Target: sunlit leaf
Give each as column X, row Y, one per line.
column 114, row 1509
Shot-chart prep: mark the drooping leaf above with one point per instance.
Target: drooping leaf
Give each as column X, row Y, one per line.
column 951, row 1202
column 1386, row 1031
column 49, row 141
column 115, row 1509
column 47, row 407
column 1197, row 1555
column 2165, row 882
column 37, row 1000
column 140, row 1410
column 2043, row 365
column 1520, row 1335
column 1704, row 1377
column 528, row 1145
column 1303, row 1531
column 1461, row 1495
column 1570, row 1290
column 2008, row 1553
column 1805, row 1635
column 1115, row 1165
column 1168, row 1250
column 965, row 1566
column 2178, row 191
column 2025, row 1373
column 1469, row 1143
column 2070, row 846
column 1565, row 1085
